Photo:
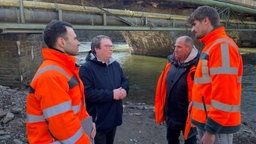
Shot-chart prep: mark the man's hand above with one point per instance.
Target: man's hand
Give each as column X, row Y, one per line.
column 119, row 93
column 189, row 108
column 207, row 138
column 93, row 132
column 123, row 93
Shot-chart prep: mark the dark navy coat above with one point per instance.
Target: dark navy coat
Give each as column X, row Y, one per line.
column 99, row 81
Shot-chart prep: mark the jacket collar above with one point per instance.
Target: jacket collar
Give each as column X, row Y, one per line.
column 219, row 31
column 59, row 57
column 92, row 57
column 194, row 52
column 191, row 59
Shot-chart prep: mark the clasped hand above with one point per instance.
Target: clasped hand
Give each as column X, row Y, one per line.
column 119, row 93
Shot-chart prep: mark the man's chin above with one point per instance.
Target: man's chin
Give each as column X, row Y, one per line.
column 198, row 36
column 176, row 58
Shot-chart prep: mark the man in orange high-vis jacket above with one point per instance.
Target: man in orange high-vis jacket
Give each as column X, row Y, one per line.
column 55, row 104
column 173, row 92
column 216, row 92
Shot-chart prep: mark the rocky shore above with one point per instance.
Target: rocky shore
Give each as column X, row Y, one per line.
column 138, row 122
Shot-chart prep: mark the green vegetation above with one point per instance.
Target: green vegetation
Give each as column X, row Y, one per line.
column 247, row 50
column 121, row 49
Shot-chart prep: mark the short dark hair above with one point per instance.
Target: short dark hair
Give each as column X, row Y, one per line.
column 205, row 11
column 96, row 41
column 53, row 30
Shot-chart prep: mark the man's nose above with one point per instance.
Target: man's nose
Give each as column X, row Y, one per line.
column 192, row 29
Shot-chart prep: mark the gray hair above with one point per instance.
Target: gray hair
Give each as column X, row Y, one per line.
column 96, row 41
column 188, row 40
column 205, row 11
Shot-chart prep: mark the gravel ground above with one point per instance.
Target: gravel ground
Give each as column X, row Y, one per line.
column 138, row 122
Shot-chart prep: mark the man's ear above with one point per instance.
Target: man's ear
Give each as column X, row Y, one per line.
column 206, row 20
column 96, row 49
column 60, row 41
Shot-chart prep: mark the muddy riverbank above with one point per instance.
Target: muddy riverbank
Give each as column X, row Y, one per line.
column 138, row 122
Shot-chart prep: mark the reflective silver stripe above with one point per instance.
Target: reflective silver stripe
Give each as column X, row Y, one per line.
column 76, row 108
column 87, row 125
column 205, row 74
column 200, row 106
column 240, row 79
column 56, row 142
column 225, row 107
column 57, row 109
column 225, row 62
column 72, row 82
column 219, row 41
column 73, row 139
column 50, row 67
column 34, row 118
column 225, row 68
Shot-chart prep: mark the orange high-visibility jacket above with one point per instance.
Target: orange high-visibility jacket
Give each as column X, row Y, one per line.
column 160, row 97
column 55, row 104
column 216, row 92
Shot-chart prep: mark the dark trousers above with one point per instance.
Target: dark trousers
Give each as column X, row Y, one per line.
column 105, row 137
column 173, row 137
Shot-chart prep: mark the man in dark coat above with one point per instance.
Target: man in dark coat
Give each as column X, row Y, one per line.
column 105, row 87
column 173, row 93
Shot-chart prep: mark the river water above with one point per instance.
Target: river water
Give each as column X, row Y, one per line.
column 143, row 72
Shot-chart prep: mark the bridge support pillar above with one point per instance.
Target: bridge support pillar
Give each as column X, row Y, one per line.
column 151, row 43
column 19, row 58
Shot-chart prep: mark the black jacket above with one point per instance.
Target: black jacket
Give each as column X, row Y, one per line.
column 177, row 92
column 99, row 81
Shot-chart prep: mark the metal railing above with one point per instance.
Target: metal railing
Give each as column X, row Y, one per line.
column 18, row 16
